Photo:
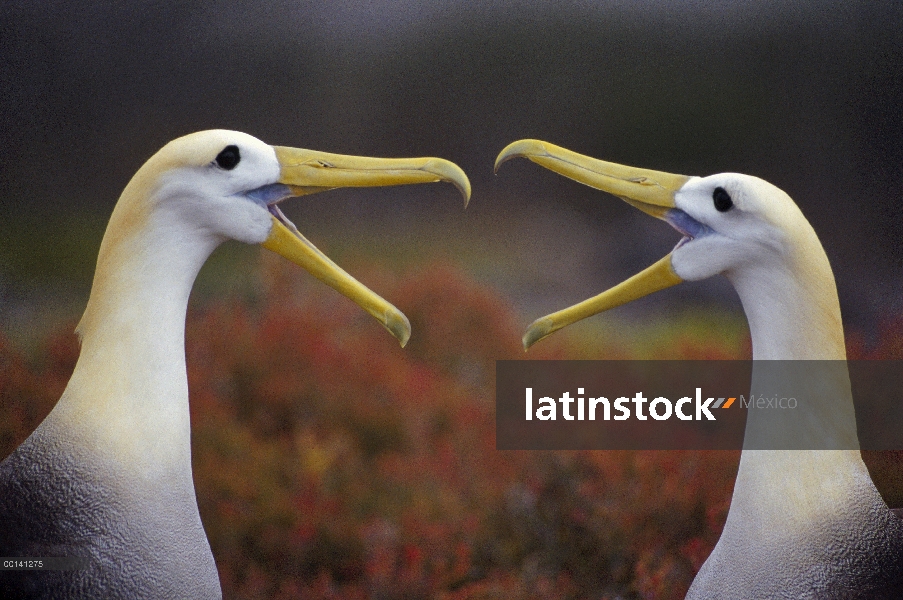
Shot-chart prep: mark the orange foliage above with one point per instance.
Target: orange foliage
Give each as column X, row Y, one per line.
column 330, row 463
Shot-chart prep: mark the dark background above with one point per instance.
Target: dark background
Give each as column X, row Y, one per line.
column 808, row 95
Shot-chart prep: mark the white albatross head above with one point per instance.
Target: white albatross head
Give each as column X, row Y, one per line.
column 734, row 225
column 731, row 222
column 204, row 188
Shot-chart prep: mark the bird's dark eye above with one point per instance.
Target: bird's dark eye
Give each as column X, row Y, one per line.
column 228, row 158
column 722, row 199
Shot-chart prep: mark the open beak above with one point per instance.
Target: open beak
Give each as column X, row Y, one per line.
column 650, row 191
column 307, row 172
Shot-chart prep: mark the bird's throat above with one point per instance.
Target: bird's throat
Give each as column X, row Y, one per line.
column 128, row 395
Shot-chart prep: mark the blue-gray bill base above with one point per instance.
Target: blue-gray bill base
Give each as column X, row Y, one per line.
column 699, row 405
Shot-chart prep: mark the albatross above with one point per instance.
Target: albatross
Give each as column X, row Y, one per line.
column 802, row 523
column 106, row 477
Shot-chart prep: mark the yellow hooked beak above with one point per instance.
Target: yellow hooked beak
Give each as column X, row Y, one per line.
column 650, row 191
column 307, row 172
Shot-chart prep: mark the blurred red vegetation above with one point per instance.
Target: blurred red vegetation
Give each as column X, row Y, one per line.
column 330, row 463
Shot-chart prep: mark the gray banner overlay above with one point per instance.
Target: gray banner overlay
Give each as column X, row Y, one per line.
column 699, row 405
column 46, row 563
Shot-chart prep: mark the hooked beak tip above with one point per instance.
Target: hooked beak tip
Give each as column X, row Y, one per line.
column 537, row 330
column 399, row 326
column 520, row 148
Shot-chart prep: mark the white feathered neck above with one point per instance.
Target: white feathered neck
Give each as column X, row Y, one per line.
column 128, row 396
